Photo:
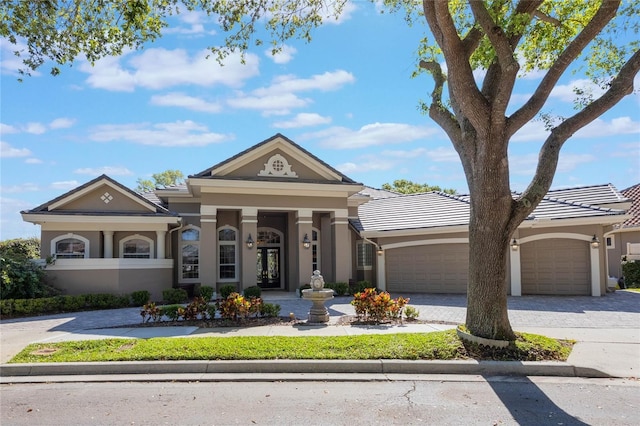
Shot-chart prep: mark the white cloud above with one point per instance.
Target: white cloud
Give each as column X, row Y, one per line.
column 324, row 82
column 569, row 162
column 6, row 129
column 303, row 120
column 61, row 123
column 565, row 92
column 23, row 187
column 35, row 128
column 276, row 104
column 10, row 63
column 285, row 55
column 177, row 99
column 160, row 68
column 617, row 126
column 64, row 184
column 348, row 9
column 533, row 131
column 7, row 151
column 525, row 164
column 11, row 223
column 179, row 133
column 370, row 135
column 443, row 155
column 106, row 170
column 33, row 161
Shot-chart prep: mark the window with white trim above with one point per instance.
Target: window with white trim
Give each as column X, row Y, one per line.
column 70, row 246
column 136, row 247
column 315, row 250
column 610, row 241
column 190, row 254
column 227, row 253
column 364, row 255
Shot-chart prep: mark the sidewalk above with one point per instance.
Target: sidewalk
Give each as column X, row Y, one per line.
column 605, row 351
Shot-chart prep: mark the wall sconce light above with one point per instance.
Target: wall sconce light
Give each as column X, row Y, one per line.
column 249, row 242
column 514, row 245
column 595, row 242
column 305, row 242
column 380, row 251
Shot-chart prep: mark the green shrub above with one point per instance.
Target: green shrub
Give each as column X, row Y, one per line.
column 72, row 303
column 140, row 297
column 6, row 307
column 170, row 311
column 269, row 310
column 20, row 277
column 303, row 287
column 211, row 311
column 175, row 295
column 340, row 288
column 359, row 287
column 106, row 301
column 631, row 273
column 206, row 292
column 253, row 291
column 226, row 290
column 411, row 313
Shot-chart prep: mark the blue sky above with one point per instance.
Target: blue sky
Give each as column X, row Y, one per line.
column 347, row 98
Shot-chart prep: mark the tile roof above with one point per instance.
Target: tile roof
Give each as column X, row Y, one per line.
column 437, row 209
column 376, row 194
column 592, row 195
column 633, row 193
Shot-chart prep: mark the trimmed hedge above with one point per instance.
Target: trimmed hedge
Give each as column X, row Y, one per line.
column 57, row 304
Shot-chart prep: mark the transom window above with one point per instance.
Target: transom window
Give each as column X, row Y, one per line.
column 190, row 254
column 268, row 237
column 227, row 253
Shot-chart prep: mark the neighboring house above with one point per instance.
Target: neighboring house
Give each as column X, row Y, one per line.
column 624, row 239
column 274, row 213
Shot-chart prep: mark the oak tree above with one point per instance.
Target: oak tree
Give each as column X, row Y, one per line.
column 474, row 50
column 405, row 186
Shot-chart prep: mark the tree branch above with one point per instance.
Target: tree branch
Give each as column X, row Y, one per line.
column 437, row 111
column 619, row 87
column 528, row 111
column 460, row 74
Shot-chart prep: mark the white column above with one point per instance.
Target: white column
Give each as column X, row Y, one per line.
column 516, row 274
column 160, row 243
column 595, row 271
column 381, row 276
column 108, row 244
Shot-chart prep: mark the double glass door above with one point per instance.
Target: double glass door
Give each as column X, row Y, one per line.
column 268, row 267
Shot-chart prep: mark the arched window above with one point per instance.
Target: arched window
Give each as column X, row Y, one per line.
column 70, row 246
column 136, row 247
column 190, row 254
column 227, row 253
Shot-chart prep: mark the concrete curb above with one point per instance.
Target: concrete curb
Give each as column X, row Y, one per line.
column 468, row 367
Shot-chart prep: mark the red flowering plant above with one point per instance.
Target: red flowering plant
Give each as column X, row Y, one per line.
column 236, row 306
column 371, row 306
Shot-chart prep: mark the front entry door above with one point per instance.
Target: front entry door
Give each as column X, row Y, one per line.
column 268, row 267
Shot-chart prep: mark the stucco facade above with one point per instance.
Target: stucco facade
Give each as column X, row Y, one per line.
column 274, row 213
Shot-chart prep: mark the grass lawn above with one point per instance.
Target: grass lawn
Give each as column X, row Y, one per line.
column 633, row 290
column 444, row 345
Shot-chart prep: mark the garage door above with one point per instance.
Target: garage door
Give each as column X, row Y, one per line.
column 439, row 268
column 556, row 266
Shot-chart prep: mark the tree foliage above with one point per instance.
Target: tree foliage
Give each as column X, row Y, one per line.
column 404, row 186
column 160, row 180
column 20, row 277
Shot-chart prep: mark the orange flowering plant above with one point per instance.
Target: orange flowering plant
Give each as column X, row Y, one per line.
column 377, row 307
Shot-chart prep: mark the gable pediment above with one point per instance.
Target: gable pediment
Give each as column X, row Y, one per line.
column 276, row 158
column 101, row 195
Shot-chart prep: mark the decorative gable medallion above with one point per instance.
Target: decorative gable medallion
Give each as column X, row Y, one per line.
column 106, row 197
column 277, row 165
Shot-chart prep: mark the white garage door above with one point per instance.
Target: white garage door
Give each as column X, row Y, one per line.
column 556, row 266
column 441, row 268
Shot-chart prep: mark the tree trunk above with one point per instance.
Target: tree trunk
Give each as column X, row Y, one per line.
column 489, row 235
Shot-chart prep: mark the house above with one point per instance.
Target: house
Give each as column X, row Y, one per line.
column 274, row 213
column 624, row 239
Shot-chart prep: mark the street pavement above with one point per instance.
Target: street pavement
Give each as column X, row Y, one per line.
column 607, row 331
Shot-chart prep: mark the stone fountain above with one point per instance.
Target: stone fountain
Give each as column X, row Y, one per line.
column 318, row 295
